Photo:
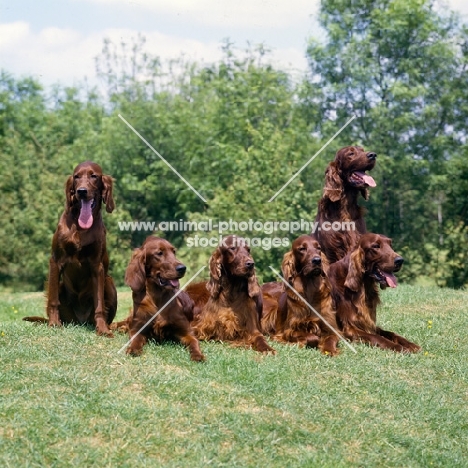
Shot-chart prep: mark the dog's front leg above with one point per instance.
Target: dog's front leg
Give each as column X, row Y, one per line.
column 53, row 294
column 98, row 296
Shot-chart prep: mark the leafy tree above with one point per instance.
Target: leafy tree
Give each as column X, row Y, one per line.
column 232, row 129
column 398, row 65
column 42, row 138
column 239, row 129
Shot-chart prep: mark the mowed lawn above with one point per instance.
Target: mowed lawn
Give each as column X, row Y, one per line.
column 67, row 398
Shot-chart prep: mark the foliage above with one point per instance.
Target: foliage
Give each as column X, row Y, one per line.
column 381, row 62
column 239, row 129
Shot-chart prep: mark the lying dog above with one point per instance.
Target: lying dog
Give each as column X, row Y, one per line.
column 234, row 309
column 355, row 282
column 153, row 275
column 292, row 320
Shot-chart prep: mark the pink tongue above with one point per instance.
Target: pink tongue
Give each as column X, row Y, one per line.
column 86, row 214
column 367, row 179
column 391, row 279
column 174, row 283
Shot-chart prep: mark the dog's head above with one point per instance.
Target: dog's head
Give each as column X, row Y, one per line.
column 154, row 261
column 231, row 260
column 85, row 190
column 303, row 259
column 373, row 257
column 349, row 170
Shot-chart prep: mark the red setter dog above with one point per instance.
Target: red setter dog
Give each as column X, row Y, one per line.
column 153, row 275
column 292, row 320
column 199, row 294
column 271, row 293
column 79, row 288
column 234, row 309
column 355, row 280
column 345, row 179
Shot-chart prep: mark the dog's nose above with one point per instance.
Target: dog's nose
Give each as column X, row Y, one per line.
column 316, row 261
column 82, row 192
column 249, row 265
column 371, row 155
column 399, row 261
column 181, row 269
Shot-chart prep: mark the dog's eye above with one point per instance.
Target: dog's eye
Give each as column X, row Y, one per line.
column 375, row 246
column 159, row 253
column 302, row 249
column 93, row 176
column 76, row 176
column 232, row 248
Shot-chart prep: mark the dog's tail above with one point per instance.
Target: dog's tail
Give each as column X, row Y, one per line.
column 36, row 319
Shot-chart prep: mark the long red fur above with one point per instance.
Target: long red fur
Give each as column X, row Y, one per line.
column 292, row 320
column 79, row 288
column 234, row 308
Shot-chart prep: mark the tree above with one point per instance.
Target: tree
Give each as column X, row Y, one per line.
column 231, row 128
column 397, row 65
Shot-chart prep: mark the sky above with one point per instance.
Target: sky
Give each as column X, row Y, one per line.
column 56, row 41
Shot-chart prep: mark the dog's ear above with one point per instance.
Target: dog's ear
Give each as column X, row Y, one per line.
column 255, row 293
column 288, row 267
column 135, row 274
column 214, row 284
column 325, row 263
column 355, row 270
column 107, row 186
column 333, row 184
column 69, row 193
column 187, row 305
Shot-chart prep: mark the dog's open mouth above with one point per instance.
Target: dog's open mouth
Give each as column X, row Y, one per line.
column 85, row 221
column 169, row 283
column 360, row 178
column 384, row 278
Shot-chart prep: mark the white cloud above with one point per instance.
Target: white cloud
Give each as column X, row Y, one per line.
column 289, row 59
column 51, row 55
column 12, row 33
column 460, row 6
column 62, row 55
column 57, row 38
column 65, row 55
column 222, row 13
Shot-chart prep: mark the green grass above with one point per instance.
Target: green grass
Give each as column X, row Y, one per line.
column 68, row 399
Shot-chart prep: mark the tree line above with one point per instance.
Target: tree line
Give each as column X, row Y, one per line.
column 240, row 128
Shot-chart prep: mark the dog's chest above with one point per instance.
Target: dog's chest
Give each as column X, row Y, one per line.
column 161, row 327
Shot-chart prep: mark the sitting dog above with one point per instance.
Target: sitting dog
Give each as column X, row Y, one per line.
column 79, row 289
column 345, row 180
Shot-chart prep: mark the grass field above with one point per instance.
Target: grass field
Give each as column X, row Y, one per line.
column 68, row 399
